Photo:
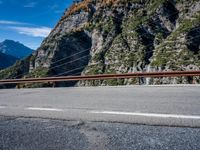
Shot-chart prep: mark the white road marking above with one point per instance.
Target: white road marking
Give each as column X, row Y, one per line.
column 43, row 109
column 2, row 107
column 176, row 116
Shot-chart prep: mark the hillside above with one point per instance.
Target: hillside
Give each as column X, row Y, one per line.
column 119, row 36
column 6, row 60
column 15, row 49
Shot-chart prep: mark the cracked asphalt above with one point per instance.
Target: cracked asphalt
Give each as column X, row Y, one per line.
column 45, row 134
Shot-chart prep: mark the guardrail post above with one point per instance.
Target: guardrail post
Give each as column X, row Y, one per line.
column 141, row 80
column 18, row 86
column 190, row 80
column 54, row 84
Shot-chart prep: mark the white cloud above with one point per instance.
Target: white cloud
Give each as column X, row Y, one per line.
column 26, row 28
column 30, row 5
column 7, row 22
column 33, row 31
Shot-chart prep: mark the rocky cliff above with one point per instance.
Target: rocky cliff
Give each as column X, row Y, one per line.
column 119, row 36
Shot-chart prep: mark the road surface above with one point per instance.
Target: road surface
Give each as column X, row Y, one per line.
column 151, row 105
column 45, row 134
column 128, row 118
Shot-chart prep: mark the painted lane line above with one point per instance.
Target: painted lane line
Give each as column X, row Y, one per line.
column 44, row 109
column 2, row 107
column 176, row 116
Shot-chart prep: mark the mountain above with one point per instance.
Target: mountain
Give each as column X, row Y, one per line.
column 6, row 60
column 15, row 49
column 119, row 36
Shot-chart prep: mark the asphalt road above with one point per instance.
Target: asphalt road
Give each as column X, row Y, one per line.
column 150, row 105
column 102, row 118
column 45, row 134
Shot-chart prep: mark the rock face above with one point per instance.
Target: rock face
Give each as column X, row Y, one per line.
column 119, row 36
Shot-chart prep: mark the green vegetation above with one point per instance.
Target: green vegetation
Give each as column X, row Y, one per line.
column 186, row 26
column 38, row 73
column 94, row 69
column 153, row 5
column 17, row 69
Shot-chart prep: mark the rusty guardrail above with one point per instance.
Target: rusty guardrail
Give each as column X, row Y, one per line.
column 103, row 77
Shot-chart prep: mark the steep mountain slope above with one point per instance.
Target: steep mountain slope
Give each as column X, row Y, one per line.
column 6, row 60
column 119, row 36
column 15, row 49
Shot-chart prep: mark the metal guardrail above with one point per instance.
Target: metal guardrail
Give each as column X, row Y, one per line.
column 102, row 77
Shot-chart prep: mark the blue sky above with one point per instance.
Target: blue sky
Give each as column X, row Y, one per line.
column 29, row 21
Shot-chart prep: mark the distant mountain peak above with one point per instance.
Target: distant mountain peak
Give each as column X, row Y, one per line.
column 7, row 40
column 15, row 49
column 12, row 41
